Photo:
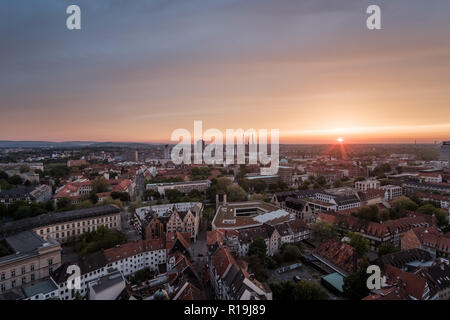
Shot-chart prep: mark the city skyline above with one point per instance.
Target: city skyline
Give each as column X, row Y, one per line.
column 310, row 69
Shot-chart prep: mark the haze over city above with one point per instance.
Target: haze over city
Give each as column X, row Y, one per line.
column 135, row 72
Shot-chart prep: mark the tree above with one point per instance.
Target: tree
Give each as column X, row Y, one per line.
column 122, row 196
column 134, row 205
column 236, row 193
column 386, row 248
column 195, row 194
column 257, row 197
column 259, row 186
column 3, row 175
column 102, row 238
column 427, row 209
column 63, row 204
column 24, row 168
column 308, row 290
column 323, row 230
column 256, row 266
column 283, row 290
column 258, row 247
column 442, row 218
column 100, row 185
column 303, row 290
column 361, row 244
column 291, row 253
column 173, row 195
column 15, row 180
column 355, row 285
column 3, row 250
column 93, row 197
column 321, row 181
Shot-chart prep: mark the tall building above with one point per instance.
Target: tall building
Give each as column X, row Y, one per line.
column 166, row 152
column 445, row 152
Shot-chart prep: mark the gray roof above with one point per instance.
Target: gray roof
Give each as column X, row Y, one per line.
column 24, row 241
column 55, row 217
column 89, row 263
column 15, row 192
column 111, row 279
column 40, row 287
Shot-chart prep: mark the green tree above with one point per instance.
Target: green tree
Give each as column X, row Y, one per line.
column 102, row 238
column 3, row 175
column 24, row 168
column 361, row 244
column 63, row 204
column 386, row 248
column 3, row 250
column 303, row 290
column 427, row 209
column 283, row 290
column 257, row 267
column 93, row 197
column 173, row 195
column 355, row 285
column 258, row 247
column 323, row 230
column 15, row 180
column 236, row 193
column 100, row 185
column 308, row 290
column 291, row 253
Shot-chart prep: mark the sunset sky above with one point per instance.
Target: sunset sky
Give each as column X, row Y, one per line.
column 140, row 69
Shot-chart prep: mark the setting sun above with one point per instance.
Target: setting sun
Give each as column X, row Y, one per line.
column 340, row 140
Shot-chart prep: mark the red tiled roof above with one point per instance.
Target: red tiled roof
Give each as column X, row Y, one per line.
column 221, row 260
column 411, row 283
column 132, row 248
column 340, row 254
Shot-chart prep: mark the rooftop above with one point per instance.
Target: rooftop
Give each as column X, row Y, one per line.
column 246, row 214
column 55, row 217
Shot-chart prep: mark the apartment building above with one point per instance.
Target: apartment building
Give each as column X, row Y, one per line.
column 367, row 184
column 391, row 192
column 31, row 258
column 180, row 217
column 183, row 187
column 390, row 231
column 231, row 281
column 62, row 226
column 127, row 259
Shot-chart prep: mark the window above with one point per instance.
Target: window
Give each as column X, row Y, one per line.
column 3, row 288
column 13, row 284
column 23, row 270
column 32, row 267
column 24, row 280
column 50, row 262
column 32, row 277
column 13, row 273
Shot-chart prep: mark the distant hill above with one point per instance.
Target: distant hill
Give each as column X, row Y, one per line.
column 7, row 144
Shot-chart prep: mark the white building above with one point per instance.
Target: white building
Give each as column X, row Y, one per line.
column 367, row 184
column 391, row 192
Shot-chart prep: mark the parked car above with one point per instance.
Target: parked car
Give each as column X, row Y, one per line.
column 297, row 278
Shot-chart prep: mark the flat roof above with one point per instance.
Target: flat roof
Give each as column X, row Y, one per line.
column 40, row 287
column 161, row 184
column 262, row 177
column 226, row 217
column 24, row 241
column 335, row 280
